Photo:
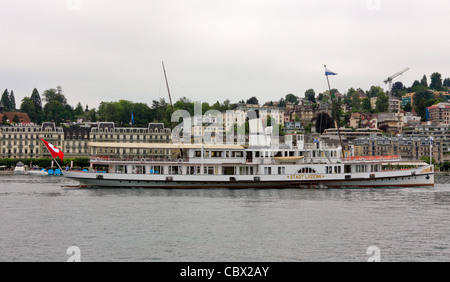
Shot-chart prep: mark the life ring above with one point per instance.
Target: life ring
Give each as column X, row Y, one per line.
column 180, row 160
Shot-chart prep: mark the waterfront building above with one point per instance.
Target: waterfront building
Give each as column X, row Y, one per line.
column 293, row 127
column 411, row 119
column 351, row 134
column 439, row 113
column 394, row 105
column 24, row 141
column 276, row 114
column 407, row 98
column 391, row 123
column 76, row 141
column 439, row 133
column 363, row 120
column 408, row 148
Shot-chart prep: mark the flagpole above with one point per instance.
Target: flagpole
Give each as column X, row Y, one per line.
column 58, row 164
column 431, row 149
column 335, row 115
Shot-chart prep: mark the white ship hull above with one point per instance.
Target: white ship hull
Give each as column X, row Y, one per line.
column 420, row 177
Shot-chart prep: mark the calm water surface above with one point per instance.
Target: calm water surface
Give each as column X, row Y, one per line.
column 40, row 220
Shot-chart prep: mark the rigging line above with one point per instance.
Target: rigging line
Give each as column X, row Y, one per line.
column 179, row 84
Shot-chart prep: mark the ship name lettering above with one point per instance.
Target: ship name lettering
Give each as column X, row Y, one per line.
column 305, row 176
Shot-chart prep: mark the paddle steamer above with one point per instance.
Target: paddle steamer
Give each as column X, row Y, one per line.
column 293, row 164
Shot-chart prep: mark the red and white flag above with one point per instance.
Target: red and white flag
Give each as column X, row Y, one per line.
column 53, row 150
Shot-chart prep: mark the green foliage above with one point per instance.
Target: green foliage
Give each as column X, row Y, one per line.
column 382, row 104
column 365, row 104
column 12, row 100
column 78, row 110
column 291, row 98
column 436, row 82
column 16, row 119
column 310, row 94
column 6, row 101
column 424, row 82
column 356, row 103
column 28, row 107
column 408, row 107
column 423, row 99
column 56, row 108
column 253, row 100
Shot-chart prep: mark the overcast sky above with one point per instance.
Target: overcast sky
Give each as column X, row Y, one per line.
column 107, row 50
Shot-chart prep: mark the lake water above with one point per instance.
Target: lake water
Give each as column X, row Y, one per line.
column 41, row 221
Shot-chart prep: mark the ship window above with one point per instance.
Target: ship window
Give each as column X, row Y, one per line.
column 307, row 170
column 267, row 170
column 337, row 169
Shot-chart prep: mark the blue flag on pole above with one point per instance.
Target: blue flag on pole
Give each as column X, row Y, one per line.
column 328, row 72
column 132, row 118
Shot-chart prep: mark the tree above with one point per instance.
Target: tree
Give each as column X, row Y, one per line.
column 397, row 89
column 6, row 101
column 320, row 97
column 291, row 98
column 415, row 85
column 38, row 115
column 424, row 82
column 56, row 108
column 436, row 81
column 356, row 103
column 374, row 91
column 408, row 107
column 78, row 110
column 4, row 119
column 310, row 94
column 446, row 82
column 12, row 100
column 16, row 119
column 422, row 98
column 28, row 107
column 382, row 104
column 365, row 104
column 253, row 100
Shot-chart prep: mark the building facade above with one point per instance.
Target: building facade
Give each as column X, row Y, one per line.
column 24, row 141
column 439, row 113
column 408, row 148
column 439, row 133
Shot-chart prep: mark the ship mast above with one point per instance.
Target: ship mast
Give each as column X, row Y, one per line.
column 167, row 84
column 335, row 113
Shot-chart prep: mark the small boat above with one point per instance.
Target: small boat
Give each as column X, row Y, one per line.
column 20, row 168
column 288, row 159
column 41, row 172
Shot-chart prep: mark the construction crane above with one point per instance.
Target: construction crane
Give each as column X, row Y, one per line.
column 389, row 80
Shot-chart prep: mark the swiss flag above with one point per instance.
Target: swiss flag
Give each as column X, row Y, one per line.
column 53, row 150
